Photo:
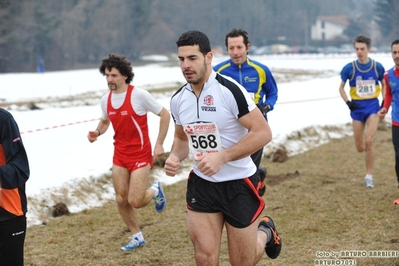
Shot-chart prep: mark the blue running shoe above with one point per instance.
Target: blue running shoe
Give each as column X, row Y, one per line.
column 160, row 200
column 134, row 243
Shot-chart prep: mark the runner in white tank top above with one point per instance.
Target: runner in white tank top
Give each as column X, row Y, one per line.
column 216, row 120
column 214, row 124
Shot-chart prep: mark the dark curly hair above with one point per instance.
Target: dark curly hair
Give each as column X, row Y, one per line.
column 119, row 62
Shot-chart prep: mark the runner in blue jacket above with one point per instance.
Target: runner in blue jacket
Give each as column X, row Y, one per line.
column 391, row 78
column 255, row 77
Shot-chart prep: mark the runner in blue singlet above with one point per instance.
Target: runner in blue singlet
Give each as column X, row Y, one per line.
column 366, row 81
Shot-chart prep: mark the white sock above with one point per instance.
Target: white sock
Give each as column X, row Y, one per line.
column 139, row 236
column 368, row 176
column 156, row 189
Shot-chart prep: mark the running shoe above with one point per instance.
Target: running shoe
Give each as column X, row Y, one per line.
column 396, row 202
column 134, row 243
column 160, row 200
column 368, row 182
column 273, row 247
column 262, row 172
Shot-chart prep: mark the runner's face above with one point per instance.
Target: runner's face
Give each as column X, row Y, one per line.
column 193, row 63
column 362, row 51
column 115, row 79
column 395, row 54
column 237, row 49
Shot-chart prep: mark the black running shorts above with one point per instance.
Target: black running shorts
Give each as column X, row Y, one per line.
column 238, row 200
column 12, row 239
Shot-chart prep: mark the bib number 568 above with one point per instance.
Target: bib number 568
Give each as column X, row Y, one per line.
column 204, row 142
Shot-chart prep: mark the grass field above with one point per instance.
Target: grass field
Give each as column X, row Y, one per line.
column 317, row 200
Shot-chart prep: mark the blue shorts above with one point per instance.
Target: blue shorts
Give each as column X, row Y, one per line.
column 238, row 200
column 365, row 109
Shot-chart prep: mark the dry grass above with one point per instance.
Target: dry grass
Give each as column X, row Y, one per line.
column 317, row 199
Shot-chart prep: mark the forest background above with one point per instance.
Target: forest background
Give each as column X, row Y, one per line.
column 76, row 34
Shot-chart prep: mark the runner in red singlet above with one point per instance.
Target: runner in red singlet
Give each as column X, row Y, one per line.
column 126, row 107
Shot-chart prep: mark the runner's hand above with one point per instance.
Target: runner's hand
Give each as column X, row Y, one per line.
column 172, row 165
column 382, row 112
column 264, row 108
column 92, row 136
column 352, row 106
column 210, row 163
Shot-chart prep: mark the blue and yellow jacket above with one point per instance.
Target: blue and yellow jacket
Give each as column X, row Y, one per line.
column 14, row 169
column 255, row 77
